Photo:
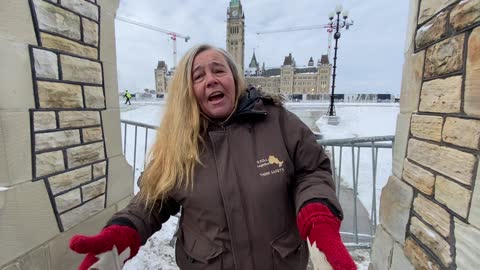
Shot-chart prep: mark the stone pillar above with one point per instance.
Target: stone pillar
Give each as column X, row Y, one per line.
column 61, row 166
column 429, row 210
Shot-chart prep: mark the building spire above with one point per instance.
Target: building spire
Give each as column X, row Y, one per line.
column 253, row 62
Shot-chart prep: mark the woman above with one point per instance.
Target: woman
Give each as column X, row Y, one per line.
column 252, row 182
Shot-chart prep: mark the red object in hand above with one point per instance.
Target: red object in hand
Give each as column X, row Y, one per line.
column 120, row 236
column 317, row 222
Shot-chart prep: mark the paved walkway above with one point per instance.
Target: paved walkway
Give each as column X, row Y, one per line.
column 363, row 217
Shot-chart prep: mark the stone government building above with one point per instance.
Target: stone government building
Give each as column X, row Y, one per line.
column 289, row 79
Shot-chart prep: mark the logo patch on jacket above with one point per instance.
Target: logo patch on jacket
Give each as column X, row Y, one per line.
column 270, row 165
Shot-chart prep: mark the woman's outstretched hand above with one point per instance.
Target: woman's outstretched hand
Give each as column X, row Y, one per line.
column 317, row 222
column 120, row 236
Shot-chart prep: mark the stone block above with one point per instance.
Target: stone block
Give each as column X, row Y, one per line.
column 15, row 143
column 69, row 46
column 441, row 95
column 83, row 7
column 111, row 86
column 68, row 200
column 49, row 140
column 445, row 57
column 26, row 220
column 432, row 31
column 92, row 134
column 70, row 119
column 433, row 214
column 81, row 70
column 419, row 178
column 124, row 202
column 109, row 6
column 94, row 189
column 81, row 213
column 57, row 20
column 472, row 75
column 400, row 144
column 46, row 64
column 62, row 256
column 4, row 177
column 59, row 95
column 90, row 32
column 112, row 133
column 38, row 259
column 427, row 127
column 47, row 163
column 465, row 14
column 454, row 196
column 466, row 245
column 418, row 257
column 395, row 204
column 120, row 180
column 474, row 216
column 399, row 260
column 411, row 27
column 16, row 15
column 411, row 82
column 462, row 132
column 13, row 266
column 94, row 97
column 381, row 249
column 428, row 8
column 81, row 155
column 432, row 240
column 71, row 179
column 107, row 39
column 448, row 161
column 44, row 120
column 99, row 169
column 16, row 87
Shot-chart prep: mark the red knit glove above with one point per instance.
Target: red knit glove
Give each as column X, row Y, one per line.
column 317, row 222
column 120, row 236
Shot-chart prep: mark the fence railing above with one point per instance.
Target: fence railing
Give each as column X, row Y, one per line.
column 360, row 210
column 361, row 170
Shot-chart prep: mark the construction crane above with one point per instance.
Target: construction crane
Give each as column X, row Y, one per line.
column 173, row 35
column 330, row 29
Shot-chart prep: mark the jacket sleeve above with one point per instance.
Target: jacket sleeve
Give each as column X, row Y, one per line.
column 313, row 174
column 145, row 220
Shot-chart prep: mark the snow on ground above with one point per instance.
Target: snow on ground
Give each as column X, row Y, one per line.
column 357, row 120
column 363, row 121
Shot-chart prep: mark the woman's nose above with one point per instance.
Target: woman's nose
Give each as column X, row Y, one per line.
column 211, row 79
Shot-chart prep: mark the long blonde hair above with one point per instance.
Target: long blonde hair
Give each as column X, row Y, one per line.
column 176, row 151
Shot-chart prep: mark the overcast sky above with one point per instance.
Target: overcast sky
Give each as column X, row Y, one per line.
column 370, row 54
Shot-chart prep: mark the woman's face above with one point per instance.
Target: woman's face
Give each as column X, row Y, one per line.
column 213, row 84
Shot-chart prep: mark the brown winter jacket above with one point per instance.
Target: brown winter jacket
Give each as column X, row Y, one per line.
column 258, row 170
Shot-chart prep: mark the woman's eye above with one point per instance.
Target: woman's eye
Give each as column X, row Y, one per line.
column 197, row 77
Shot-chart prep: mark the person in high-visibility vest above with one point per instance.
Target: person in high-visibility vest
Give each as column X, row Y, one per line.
column 127, row 96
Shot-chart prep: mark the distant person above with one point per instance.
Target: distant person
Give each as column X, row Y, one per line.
column 247, row 175
column 127, row 96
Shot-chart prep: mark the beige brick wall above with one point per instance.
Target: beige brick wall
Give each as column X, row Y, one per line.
column 441, row 91
column 54, row 143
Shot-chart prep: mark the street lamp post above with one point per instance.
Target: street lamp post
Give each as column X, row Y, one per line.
column 337, row 26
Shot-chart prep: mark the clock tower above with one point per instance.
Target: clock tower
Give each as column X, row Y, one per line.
column 236, row 32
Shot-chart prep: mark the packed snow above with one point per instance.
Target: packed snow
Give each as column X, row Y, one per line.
column 356, row 120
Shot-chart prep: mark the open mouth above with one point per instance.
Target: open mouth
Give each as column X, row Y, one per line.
column 216, row 96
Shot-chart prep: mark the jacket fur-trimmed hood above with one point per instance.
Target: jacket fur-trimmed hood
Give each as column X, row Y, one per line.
column 248, row 99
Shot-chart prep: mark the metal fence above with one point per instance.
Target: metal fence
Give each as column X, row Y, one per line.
column 360, row 221
column 361, row 216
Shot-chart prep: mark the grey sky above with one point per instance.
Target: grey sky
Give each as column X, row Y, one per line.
column 370, row 55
